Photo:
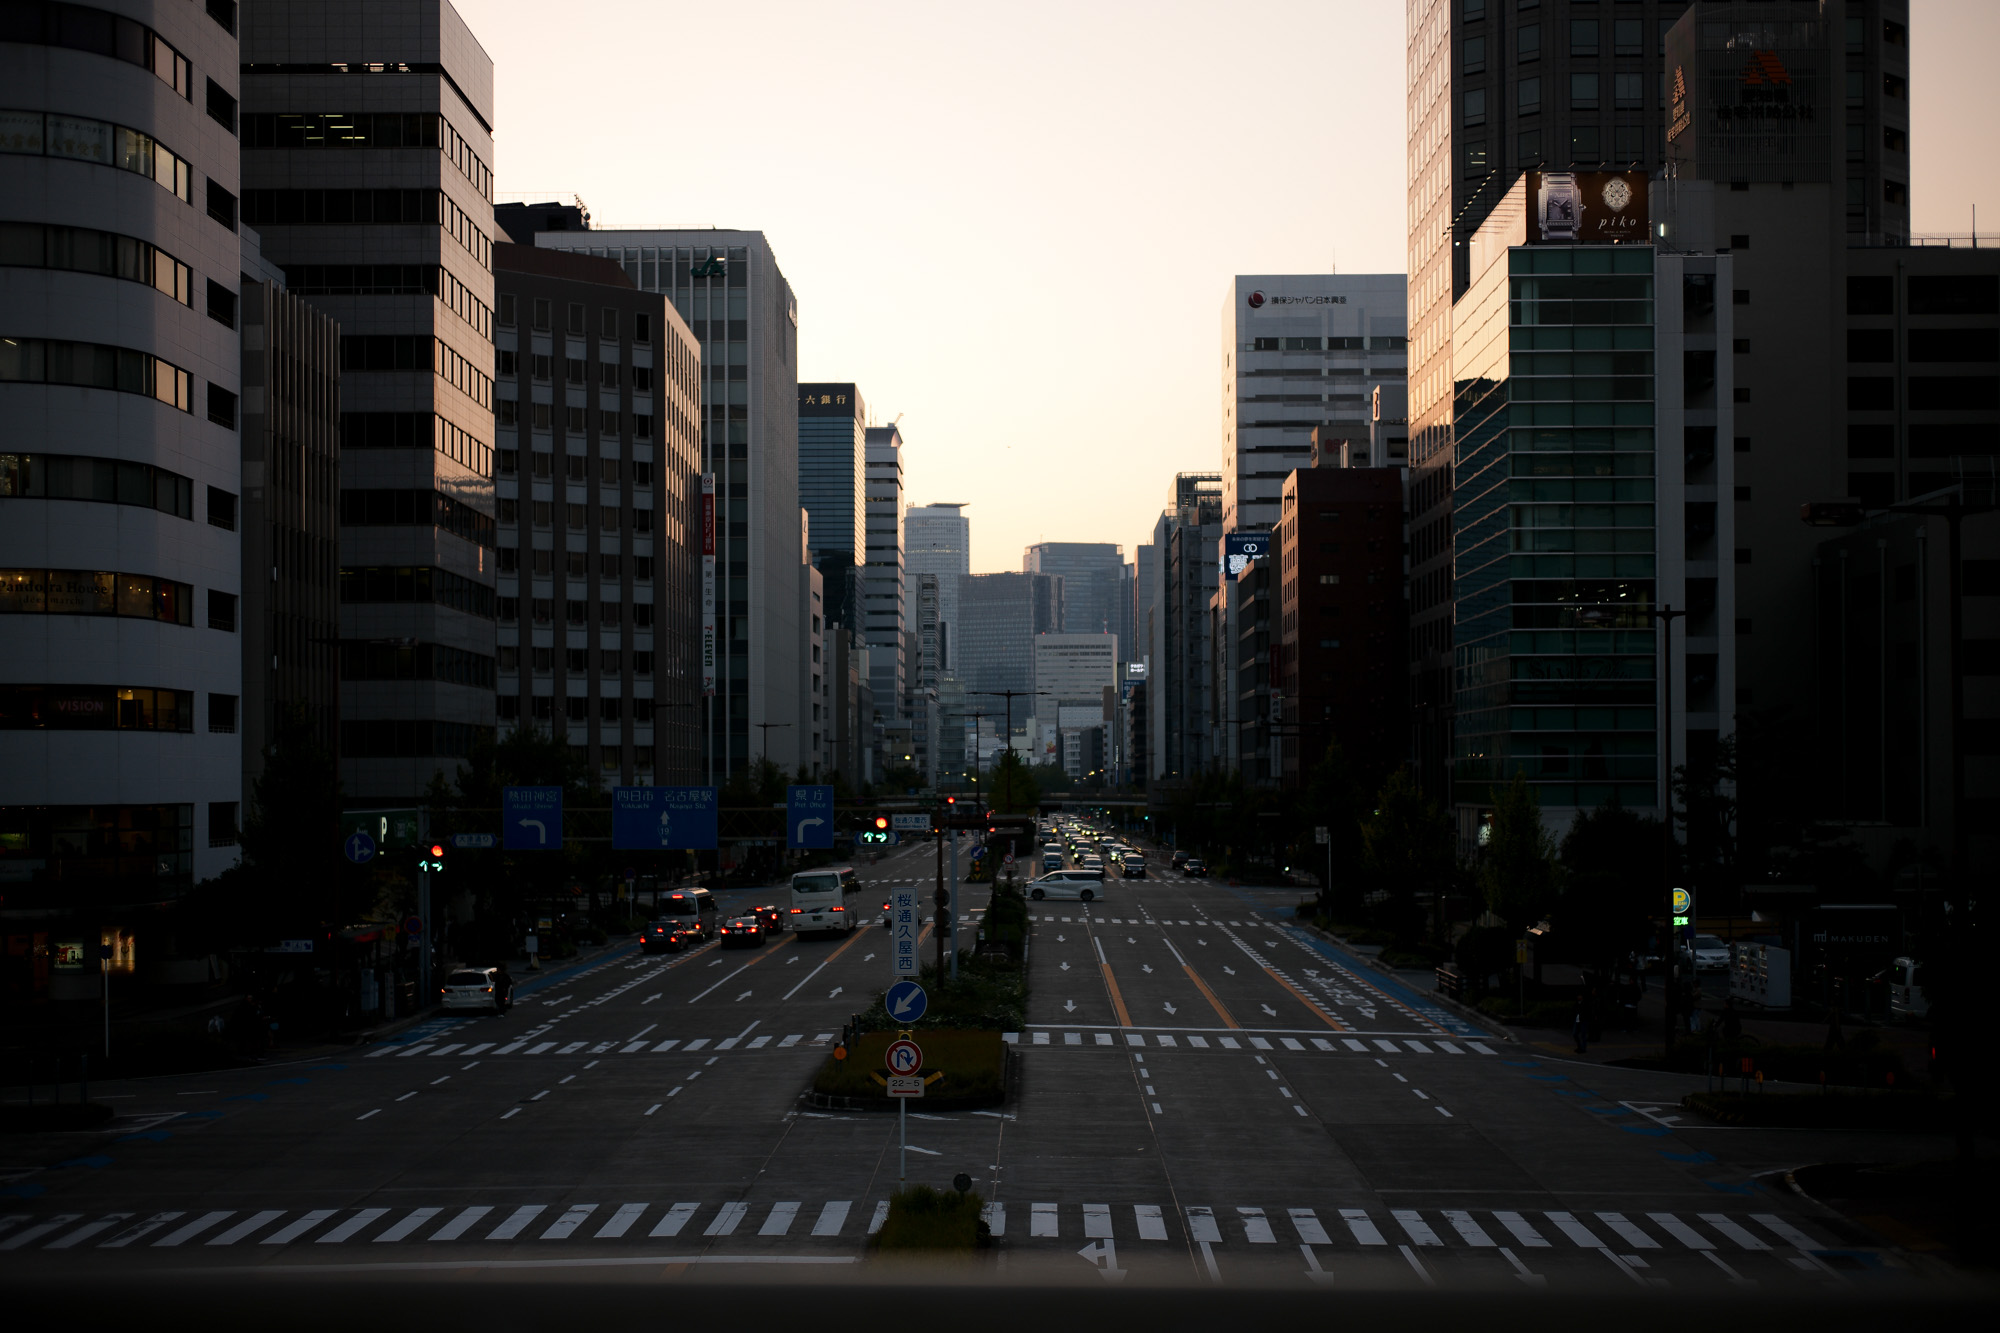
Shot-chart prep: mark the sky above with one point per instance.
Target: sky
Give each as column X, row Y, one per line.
column 1013, row 226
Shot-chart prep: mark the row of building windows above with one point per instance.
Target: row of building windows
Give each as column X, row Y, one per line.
column 576, row 516
column 1925, row 393
column 576, row 564
column 683, row 360
column 76, row 842
column 576, row 661
column 415, row 430
column 576, row 611
column 366, row 208
column 576, row 420
column 95, row 366
column 87, row 250
column 416, row 351
column 393, row 280
column 1940, row 440
column 108, row 708
column 1587, row 37
column 576, row 371
column 79, row 28
column 416, row 583
column 81, row 139
column 1333, row 344
column 576, row 708
column 1925, row 344
column 390, row 507
column 82, row 592
column 421, row 661
column 377, row 129
column 576, row 467
column 411, row 739
column 1928, row 294
column 104, row 480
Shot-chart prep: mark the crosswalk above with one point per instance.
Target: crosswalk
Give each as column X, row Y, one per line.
column 1626, row 1236
column 615, row 1046
column 1082, row 917
column 1213, row 1039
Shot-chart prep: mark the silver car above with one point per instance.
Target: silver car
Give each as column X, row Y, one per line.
column 1709, row 954
column 478, row 990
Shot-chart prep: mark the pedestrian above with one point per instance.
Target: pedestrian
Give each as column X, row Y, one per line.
column 1580, row 1025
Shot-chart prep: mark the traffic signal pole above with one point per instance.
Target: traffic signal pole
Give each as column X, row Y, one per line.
column 424, row 997
column 953, row 909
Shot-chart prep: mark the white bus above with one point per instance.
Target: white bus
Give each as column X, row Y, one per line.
column 823, row 900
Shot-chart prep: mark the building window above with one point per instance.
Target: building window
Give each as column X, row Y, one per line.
column 105, row 480
column 1631, row 142
column 574, row 367
column 607, row 372
column 101, row 143
column 1628, row 90
column 1584, row 144
column 94, row 366
column 1475, row 55
column 1895, row 192
column 642, row 664
column 573, row 420
column 1627, row 37
column 222, row 823
column 221, row 509
column 1528, row 96
column 221, row 304
column 221, row 406
column 1475, row 159
column 1583, row 37
column 222, row 610
column 222, row 712
column 221, row 205
column 607, row 423
column 576, row 318
column 642, row 328
column 221, row 106
column 506, row 310
column 608, row 326
column 642, row 425
column 1583, row 92
column 1475, row 106
column 542, row 320
column 1528, row 42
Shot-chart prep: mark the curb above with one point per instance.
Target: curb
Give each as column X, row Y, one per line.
column 1499, row 1031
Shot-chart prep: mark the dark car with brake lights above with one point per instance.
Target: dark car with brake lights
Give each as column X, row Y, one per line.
column 742, row 931
column 1195, row 868
column 666, row 936
column 770, row 917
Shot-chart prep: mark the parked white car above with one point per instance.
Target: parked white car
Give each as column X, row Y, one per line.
column 1070, row 885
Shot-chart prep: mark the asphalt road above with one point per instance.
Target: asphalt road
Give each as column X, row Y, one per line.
column 1206, row 1093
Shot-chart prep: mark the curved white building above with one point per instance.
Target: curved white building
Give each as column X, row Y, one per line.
column 120, row 661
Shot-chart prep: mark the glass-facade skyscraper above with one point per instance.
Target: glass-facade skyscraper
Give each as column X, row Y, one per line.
column 937, row 539
column 833, row 449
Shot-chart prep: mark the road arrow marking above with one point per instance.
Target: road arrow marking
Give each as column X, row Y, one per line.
column 1059, row 939
column 1170, row 1009
column 1269, row 1010
column 1130, row 940
column 744, row 996
column 1103, row 1256
column 1230, row 970
column 866, row 957
column 1069, row 1006
column 650, row 998
column 837, row 989
column 1202, row 942
column 1063, row 966
column 1145, row 967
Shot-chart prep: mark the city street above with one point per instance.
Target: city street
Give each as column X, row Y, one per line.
column 1205, row 1092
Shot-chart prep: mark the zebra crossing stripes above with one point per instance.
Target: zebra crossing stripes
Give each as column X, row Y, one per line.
column 1252, row 1224
column 1197, row 1041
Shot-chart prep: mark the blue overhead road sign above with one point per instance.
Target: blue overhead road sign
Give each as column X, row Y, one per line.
column 650, row 819
column 808, row 817
column 531, row 818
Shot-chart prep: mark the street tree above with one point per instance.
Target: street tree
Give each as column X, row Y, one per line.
column 1409, row 848
column 1517, row 870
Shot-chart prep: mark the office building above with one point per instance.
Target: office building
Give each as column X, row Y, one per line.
column 1496, row 87
column 290, row 519
column 367, row 170
column 1591, row 390
column 599, row 517
column 1072, row 674
column 816, row 715
column 937, row 539
column 1096, row 592
column 833, row 459
column 121, row 668
column 1300, row 352
column 727, row 286
column 1338, row 665
column 1180, row 689
column 920, row 706
column 884, row 593
column 999, row 618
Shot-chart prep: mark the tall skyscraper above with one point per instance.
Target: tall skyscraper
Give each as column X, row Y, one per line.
column 1180, row 688
column 120, row 664
column 599, row 517
column 998, row 622
column 885, row 603
column 1495, row 87
column 1093, row 576
column 367, row 168
column 833, row 449
column 1300, row 352
column 937, row 539
column 728, row 287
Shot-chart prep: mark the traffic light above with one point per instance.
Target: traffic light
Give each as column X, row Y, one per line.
column 436, row 861
column 877, row 832
column 881, row 823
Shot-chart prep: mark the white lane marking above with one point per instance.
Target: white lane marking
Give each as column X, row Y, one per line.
column 285, row 1235
column 1306, row 1223
column 461, row 1224
column 409, row 1051
column 1680, row 1231
column 573, row 1217
column 1256, row 1227
column 1468, row 1230
column 1353, row 1045
column 1628, row 1232
column 1199, row 1043
column 1417, row 1265
column 352, row 1226
column 1042, row 1220
column 1364, row 1229
column 40, row 1229
column 695, row 1045
column 1785, row 1231
column 1578, row 1233
column 137, row 1231
column 108, row 1221
column 403, row 1229
column 726, row 1219
column 573, row 1048
column 779, row 1220
column 792, row 1040
column 882, row 1215
column 517, row 1221
column 511, row 1114
column 365, row 1114
column 406, row 1096
column 621, row 1221
column 832, row 1217
column 1202, row 1225
column 668, row 1044
column 1152, row 1226
column 676, row 1218
column 447, row 1050
column 1096, row 1221
column 538, row 1048
column 1413, row 1223
column 642, row 1032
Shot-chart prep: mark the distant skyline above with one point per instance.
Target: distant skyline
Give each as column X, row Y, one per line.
column 1014, row 226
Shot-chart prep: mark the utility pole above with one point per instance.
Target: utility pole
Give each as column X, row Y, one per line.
column 764, row 739
column 1010, row 696
column 1667, row 616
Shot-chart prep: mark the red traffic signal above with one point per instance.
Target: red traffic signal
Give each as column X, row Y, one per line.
column 437, row 850
column 881, row 822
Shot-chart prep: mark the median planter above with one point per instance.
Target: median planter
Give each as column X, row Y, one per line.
column 925, row 1219
column 974, row 1066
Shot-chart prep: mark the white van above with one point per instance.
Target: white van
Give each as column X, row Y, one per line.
column 1074, row 885
column 820, row 900
column 1906, row 989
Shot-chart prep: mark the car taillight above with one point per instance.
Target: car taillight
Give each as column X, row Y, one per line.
column 797, row 910
column 839, row 909
column 489, row 990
